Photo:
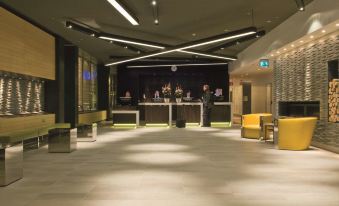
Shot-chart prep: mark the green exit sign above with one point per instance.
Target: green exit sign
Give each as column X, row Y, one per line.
column 264, row 63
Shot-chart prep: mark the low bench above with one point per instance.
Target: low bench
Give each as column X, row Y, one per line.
column 11, row 151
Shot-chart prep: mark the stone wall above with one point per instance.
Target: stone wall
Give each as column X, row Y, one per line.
column 302, row 75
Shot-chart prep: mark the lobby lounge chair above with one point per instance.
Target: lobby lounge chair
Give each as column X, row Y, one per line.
column 295, row 133
column 252, row 125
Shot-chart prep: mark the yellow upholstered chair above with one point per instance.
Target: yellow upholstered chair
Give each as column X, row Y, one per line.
column 296, row 133
column 252, row 124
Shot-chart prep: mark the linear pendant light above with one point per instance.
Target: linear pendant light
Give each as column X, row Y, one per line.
column 202, row 42
column 207, row 55
column 124, row 11
column 129, row 41
column 169, row 65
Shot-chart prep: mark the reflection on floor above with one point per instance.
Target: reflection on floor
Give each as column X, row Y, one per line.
column 191, row 167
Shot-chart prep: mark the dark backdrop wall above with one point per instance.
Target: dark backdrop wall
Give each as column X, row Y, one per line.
column 147, row 80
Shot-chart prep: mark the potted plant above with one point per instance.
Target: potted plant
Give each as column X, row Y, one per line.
column 167, row 91
column 178, row 94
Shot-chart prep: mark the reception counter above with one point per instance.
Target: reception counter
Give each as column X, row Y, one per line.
column 166, row 113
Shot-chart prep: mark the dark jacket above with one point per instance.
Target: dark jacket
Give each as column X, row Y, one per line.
column 207, row 99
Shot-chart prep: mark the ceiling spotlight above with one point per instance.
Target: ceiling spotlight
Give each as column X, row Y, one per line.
column 222, row 48
column 69, row 26
column 301, row 41
column 337, row 25
column 92, row 34
column 154, row 3
column 156, row 21
column 311, row 37
column 272, row 55
column 124, row 11
column 292, row 45
column 194, row 34
column 111, row 42
column 285, row 49
column 238, row 43
column 323, row 31
column 126, row 47
column 300, row 5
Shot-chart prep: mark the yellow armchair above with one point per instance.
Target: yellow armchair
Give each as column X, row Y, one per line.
column 252, row 125
column 295, row 133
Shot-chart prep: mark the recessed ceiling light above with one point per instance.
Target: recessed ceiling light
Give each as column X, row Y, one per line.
column 311, row 37
column 292, row 45
column 323, row 31
column 272, row 55
column 93, row 34
column 154, row 3
column 194, row 34
column 222, row 48
column 337, row 24
column 268, row 21
column 156, row 21
column 301, row 41
column 111, row 42
column 278, row 52
column 126, row 47
column 285, row 49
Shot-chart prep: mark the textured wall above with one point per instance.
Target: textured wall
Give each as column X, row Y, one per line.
column 19, row 95
column 302, row 75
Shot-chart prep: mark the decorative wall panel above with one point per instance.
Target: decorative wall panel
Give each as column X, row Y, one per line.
column 20, row 94
column 302, row 75
column 88, row 83
column 24, row 48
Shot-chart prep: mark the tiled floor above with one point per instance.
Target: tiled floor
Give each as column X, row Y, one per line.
column 174, row 167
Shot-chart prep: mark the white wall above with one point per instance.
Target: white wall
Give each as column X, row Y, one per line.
column 318, row 14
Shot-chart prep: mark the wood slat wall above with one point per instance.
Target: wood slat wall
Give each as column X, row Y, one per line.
column 24, row 48
column 20, row 124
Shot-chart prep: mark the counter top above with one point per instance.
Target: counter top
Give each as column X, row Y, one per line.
column 222, row 103
column 155, row 103
column 181, row 103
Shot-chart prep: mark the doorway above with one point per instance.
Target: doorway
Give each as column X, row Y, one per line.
column 246, row 97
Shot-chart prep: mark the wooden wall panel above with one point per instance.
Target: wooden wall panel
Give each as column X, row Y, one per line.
column 91, row 117
column 22, row 123
column 24, row 48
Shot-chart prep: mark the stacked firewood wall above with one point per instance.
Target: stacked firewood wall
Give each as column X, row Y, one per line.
column 333, row 101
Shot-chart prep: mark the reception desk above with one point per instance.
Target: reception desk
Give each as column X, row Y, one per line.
column 156, row 112
column 221, row 112
column 166, row 113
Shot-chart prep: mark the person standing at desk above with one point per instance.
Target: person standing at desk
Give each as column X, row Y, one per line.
column 207, row 101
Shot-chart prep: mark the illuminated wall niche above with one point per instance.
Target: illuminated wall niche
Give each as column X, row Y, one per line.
column 20, row 94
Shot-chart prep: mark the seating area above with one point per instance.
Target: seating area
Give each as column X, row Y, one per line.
column 289, row 133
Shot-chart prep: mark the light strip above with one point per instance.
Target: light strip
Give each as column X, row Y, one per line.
column 207, row 55
column 130, row 42
column 181, row 48
column 169, row 65
column 218, row 40
column 124, row 12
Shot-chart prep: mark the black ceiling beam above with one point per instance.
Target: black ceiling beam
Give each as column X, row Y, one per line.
column 238, row 41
